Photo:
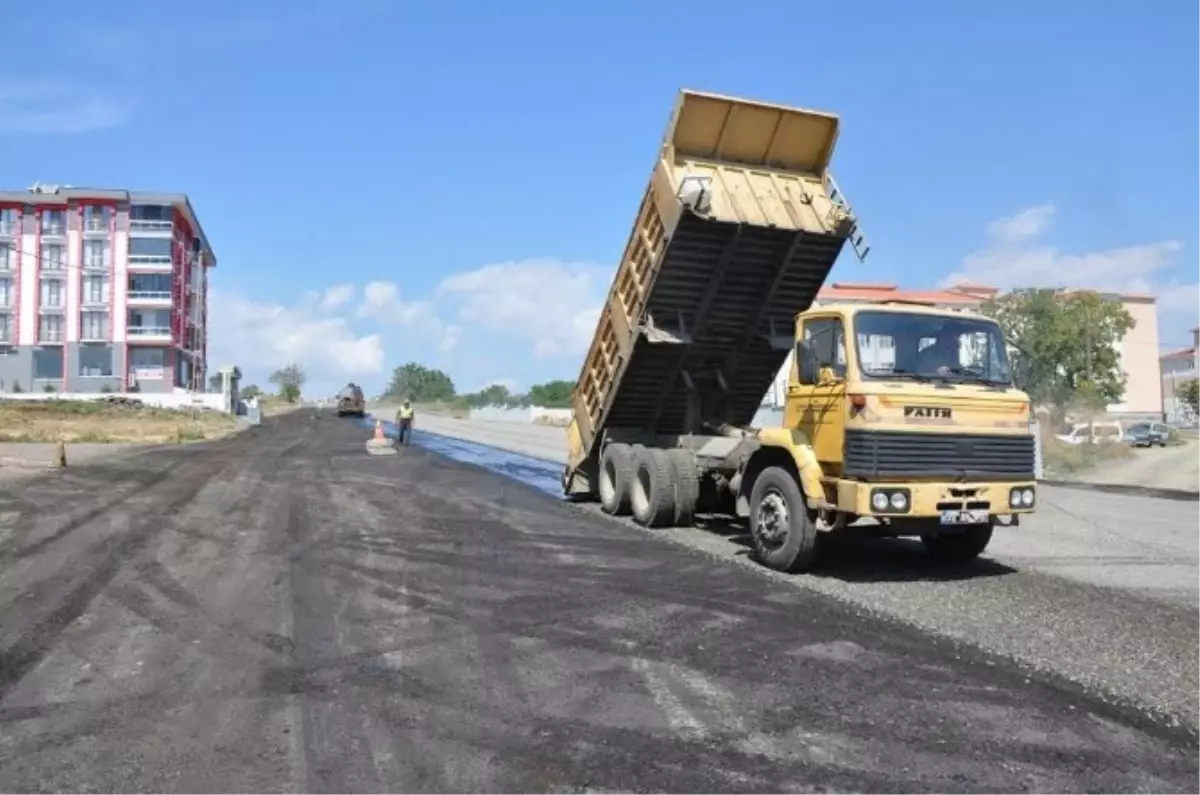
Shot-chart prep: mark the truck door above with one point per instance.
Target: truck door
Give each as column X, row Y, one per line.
column 817, row 394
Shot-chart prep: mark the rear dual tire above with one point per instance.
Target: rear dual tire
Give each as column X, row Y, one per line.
column 659, row 488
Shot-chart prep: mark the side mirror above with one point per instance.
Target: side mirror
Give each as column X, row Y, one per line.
column 806, row 363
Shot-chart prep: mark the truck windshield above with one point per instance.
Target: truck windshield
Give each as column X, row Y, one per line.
column 921, row 346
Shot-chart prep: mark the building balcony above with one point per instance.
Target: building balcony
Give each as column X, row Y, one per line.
column 156, row 298
column 95, row 227
column 141, row 225
column 9, row 228
column 144, row 263
column 54, row 229
column 149, row 334
column 94, row 334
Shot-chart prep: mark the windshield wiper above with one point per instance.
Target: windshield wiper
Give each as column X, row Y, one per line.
column 909, row 374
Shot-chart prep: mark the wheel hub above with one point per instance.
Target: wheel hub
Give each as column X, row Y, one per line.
column 772, row 520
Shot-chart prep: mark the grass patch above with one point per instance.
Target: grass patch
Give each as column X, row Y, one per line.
column 101, row 422
column 1072, row 459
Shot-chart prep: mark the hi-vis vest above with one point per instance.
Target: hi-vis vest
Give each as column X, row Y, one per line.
column 405, row 413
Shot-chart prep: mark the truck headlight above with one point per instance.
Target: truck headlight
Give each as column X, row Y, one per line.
column 1021, row 497
column 890, row 501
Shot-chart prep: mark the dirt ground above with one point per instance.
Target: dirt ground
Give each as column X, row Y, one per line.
column 102, row 423
column 1176, row 467
column 278, row 611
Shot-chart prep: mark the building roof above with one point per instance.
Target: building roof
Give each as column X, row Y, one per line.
column 1185, row 353
column 61, row 195
column 964, row 295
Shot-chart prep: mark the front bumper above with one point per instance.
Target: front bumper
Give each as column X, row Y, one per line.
column 924, row 500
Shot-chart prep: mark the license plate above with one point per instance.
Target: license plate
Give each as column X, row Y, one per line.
column 965, row 517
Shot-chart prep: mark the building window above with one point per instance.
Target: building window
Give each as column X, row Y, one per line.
column 96, row 218
column 7, row 295
column 150, row 285
column 8, row 221
column 147, row 362
column 48, row 363
column 53, row 256
column 97, row 254
column 156, row 321
column 95, row 289
column 93, row 325
column 52, row 294
column 6, row 328
column 50, row 328
column 54, row 222
column 156, row 217
column 150, row 246
column 95, row 361
column 8, row 256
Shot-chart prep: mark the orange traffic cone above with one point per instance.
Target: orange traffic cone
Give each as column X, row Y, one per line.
column 379, row 431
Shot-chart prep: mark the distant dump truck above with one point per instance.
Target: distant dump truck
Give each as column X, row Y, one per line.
column 900, row 413
column 351, row 402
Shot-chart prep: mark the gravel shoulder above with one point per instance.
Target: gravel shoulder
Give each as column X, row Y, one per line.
column 281, row 612
column 1102, row 589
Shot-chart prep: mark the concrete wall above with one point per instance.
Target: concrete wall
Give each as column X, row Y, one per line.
column 527, row 414
column 166, row 400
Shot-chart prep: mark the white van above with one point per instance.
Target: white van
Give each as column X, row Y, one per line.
column 1094, row 433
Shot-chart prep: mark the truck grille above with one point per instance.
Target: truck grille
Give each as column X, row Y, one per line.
column 872, row 454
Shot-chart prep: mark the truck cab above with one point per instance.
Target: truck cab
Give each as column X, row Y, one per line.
column 906, row 415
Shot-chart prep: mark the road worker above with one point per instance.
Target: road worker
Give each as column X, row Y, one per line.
column 404, row 420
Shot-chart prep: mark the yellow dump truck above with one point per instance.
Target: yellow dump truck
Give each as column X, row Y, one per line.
column 899, row 413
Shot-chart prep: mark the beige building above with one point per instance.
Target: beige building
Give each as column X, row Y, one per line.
column 1178, row 367
column 1138, row 351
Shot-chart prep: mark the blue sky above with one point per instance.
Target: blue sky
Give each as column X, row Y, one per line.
column 452, row 182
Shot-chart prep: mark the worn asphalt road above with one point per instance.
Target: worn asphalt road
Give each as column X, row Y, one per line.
column 279, row 611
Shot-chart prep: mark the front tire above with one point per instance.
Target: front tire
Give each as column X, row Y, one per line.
column 782, row 530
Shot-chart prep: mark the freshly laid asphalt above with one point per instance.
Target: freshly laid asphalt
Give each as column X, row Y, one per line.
column 279, row 611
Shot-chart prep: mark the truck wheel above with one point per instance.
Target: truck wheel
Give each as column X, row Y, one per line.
column 616, row 475
column 959, row 547
column 687, row 485
column 784, row 535
column 652, row 494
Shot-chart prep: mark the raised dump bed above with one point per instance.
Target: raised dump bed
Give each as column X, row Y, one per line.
column 737, row 231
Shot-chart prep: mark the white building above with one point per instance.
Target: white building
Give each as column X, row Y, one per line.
column 101, row 290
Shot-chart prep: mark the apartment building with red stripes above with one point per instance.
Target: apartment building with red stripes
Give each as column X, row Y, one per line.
column 101, row 291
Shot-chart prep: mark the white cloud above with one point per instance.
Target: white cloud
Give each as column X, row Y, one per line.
column 259, row 337
column 1017, row 256
column 39, row 106
column 382, row 301
column 550, row 304
column 338, row 295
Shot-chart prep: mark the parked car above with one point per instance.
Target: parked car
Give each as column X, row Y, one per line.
column 1095, row 433
column 1147, row 434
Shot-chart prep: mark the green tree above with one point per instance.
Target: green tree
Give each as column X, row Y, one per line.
column 420, row 384
column 1189, row 393
column 251, row 391
column 290, row 382
column 1065, row 345
column 552, row 394
column 214, row 382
